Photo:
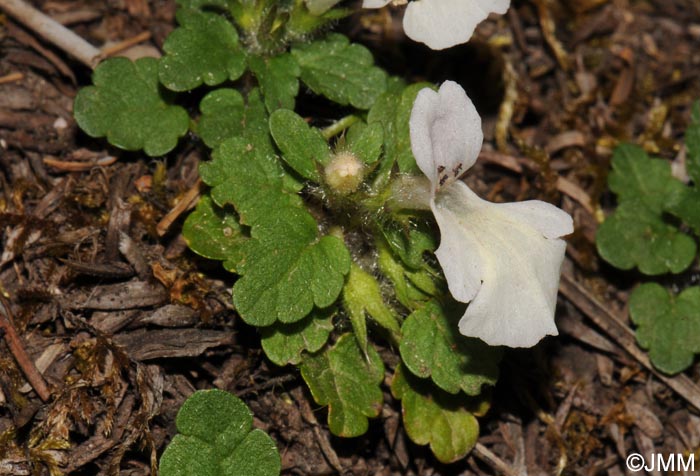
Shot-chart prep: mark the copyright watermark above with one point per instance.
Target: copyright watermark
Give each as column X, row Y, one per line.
column 659, row 462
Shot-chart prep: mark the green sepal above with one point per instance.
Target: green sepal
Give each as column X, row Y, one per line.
column 668, row 325
column 408, row 294
column 278, row 79
column 216, row 437
column 344, row 72
column 303, row 147
column 222, row 116
column 409, row 238
column 431, row 346
column 203, row 50
column 436, row 418
column 284, row 343
column 215, row 233
column 348, row 381
column 127, row 106
column 362, row 296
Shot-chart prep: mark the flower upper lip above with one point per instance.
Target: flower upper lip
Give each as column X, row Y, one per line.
column 504, row 259
column 442, row 24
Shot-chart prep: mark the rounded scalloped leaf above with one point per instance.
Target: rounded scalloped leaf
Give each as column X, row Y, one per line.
column 667, row 325
column 204, row 49
column 432, row 417
column 222, row 115
column 344, row 72
column 433, row 347
column 216, row 438
column 126, row 105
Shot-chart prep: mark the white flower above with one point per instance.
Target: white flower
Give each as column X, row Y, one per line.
column 502, row 259
column 442, row 24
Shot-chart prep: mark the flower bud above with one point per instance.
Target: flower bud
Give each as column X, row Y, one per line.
column 344, row 173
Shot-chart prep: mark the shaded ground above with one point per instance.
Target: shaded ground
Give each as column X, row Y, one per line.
column 125, row 323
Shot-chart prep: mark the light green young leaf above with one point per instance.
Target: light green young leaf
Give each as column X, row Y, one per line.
column 409, row 239
column 365, row 142
column 222, row 116
column 319, row 7
column 433, row 417
column 432, row 346
column 215, row 233
column 126, row 105
column 284, row 343
column 341, row 71
column 362, row 296
column 216, row 438
column 393, row 111
column 303, row 147
column 203, row 50
column 668, row 326
column 346, row 380
column 636, row 235
column 692, row 143
column 278, row 79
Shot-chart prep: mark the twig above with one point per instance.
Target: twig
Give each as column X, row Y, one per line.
column 52, row 31
column 188, row 200
column 485, row 455
column 623, row 335
column 23, row 360
column 11, row 78
column 128, row 43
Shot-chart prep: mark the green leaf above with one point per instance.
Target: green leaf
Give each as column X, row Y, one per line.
column 197, row 4
column 222, row 116
column 204, row 49
column 287, row 269
column 435, row 418
column 362, row 296
column 278, row 79
column 637, row 177
column 341, row 71
column 285, row 275
column 668, row 326
column 636, row 235
column 303, row 147
column 686, row 208
column 365, row 142
column 216, row 438
column 319, row 7
column 346, row 380
column 284, row 343
column 692, row 143
column 126, row 105
column 393, row 111
column 432, row 346
column 214, row 233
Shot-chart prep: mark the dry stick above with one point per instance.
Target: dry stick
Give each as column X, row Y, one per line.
column 11, row 78
column 128, row 43
column 485, row 455
column 53, row 31
column 624, row 336
column 187, row 201
column 23, row 360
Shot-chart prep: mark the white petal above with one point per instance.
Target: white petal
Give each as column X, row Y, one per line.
column 505, row 259
column 445, row 23
column 446, row 134
column 374, row 3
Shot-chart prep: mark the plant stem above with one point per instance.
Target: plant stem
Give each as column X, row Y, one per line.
column 339, row 126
